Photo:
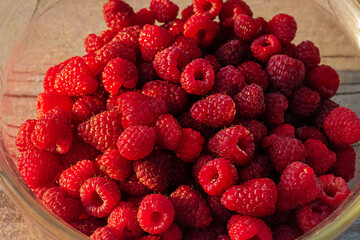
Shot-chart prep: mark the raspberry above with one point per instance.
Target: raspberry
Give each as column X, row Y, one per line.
column 286, row 232
column 259, row 167
column 51, row 75
column 250, row 101
column 211, row 8
column 191, row 145
column 214, row 62
column 176, row 26
column 114, row 165
column 284, row 130
column 306, row 132
column 223, row 237
column 325, row 107
column 118, row 14
column 47, row 101
column 107, row 35
column 164, row 10
column 38, row 167
column 74, row 79
column 86, row 107
column 53, row 131
column 285, row 73
column 101, row 130
column 148, row 237
column 308, row 53
column 140, row 109
column 186, row 121
column 342, row 126
column 133, row 186
column 143, row 17
column 258, row 130
column 304, row 102
column 318, row 156
column 208, row 233
column 23, row 138
column 231, row 53
column 187, row 13
column 334, row 190
column 202, row 29
column 228, row 81
column 56, row 200
column 169, row 63
column 284, row 27
column 87, row 226
column 231, row 9
column 245, row 227
column 99, row 196
column 104, row 233
column 198, row 164
column 72, row 178
column 93, row 43
column 220, row 212
column 169, row 134
column 189, row 46
column 264, row 47
column 247, row 28
column 345, row 162
column 123, row 221
column 288, row 49
column 298, row 186
column 275, row 106
column 155, row 214
column 216, row 110
column 283, row 151
column 190, row 207
column 253, row 73
column 323, row 79
column 198, row 77
column 154, row 39
column 147, row 73
column 129, row 36
column 136, row 142
column 256, row 197
column 172, row 233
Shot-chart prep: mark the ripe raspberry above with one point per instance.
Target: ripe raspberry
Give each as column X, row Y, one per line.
column 214, row 62
column 176, row 26
column 217, row 110
column 264, row 47
column 231, row 53
column 186, row 121
column 99, row 196
column 285, row 73
column 23, row 139
column 220, row 213
column 250, row 101
column 345, row 162
column 284, row 27
column 104, row 233
column 114, row 165
column 211, row 8
column 147, row 73
column 118, row 14
column 51, row 75
column 202, row 29
column 207, row 233
column 143, row 17
column 275, row 106
column 306, row 132
column 231, row 9
column 198, row 164
column 129, row 36
column 133, row 186
column 253, row 73
column 259, row 167
column 169, row 63
column 247, row 28
column 107, row 35
column 308, row 53
column 245, row 227
column 256, row 198
column 93, row 43
column 87, row 226
column 198, row 77
column 228, row 81
column 86, row 107
column 187, row 13
column 154, row 39
column 283, row 151
column 38, row 167
column 164, row 10
column 304, row 102
column 334, row 190
column 136, row 142
column 284, row 130
column 323, row 79
column 189, row 46
column 47, row 101
column 325, row 107
column 172, row 233
column 223, row 237
column 342, row 126
column 169, row 134
column 318, row 156
column 190, row 207
column 101, row 130
column 279, row 218
column 148, row 237
column 178, row 170
column 286, row 232
column 191, row 145
column 258, row 130
column 288, row 49
column 298, row 186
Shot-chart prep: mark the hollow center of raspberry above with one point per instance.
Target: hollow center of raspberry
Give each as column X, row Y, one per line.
column 199, row 75
column 214, row 177
column 96, row 199
column 242, row 143
column 155, row 217
column 330, row 190
column 207, row 6
column 254, row 238
column 317, row 209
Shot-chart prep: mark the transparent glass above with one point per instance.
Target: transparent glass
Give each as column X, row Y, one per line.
column 37, row 34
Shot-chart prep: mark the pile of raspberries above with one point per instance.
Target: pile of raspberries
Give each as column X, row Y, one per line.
column 212, row 125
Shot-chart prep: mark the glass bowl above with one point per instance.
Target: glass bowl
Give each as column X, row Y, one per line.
column 37, row 34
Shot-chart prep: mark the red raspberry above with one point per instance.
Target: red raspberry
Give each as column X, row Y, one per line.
column 247, row 28
column 104, row 233
column 231, row 53
column 87, row 226
column 118, row 14
column 288, row 49
column 53, row 131
column 286, row 232
column 279, row 218
column 275, row 106
column 342, row 126
column 114, row 165
column 169, row 134
column 235, row 143
column 304, row 102
column 245, row 227
column 298, row 186
column 264, row 47
column 154, row 39
column 259, row 167
column 284, row 130
column 214, row 62
column 198, row 77
column 48, row 100
column 258, row 130
column 318, row 156
column 334, row 190
column 211, row 8
column 256, row 197
column 207, row 233
column 74, row 79
column 253, row 73
column 38, row 167
column 198, row 164
column 190, row 207
column 231, row 9
column 187, row 13
column 23, row 138
column 345, row 162
column 202, row 29
column 312, row 214
column 99, row 196
column 133, row 186
column 308, row 53
column 86, row 107
column 156, row 213
column 223, row 237
column 219, row 211
column 147, row 73
column 56, row 200
column 129, row 36
column 101, row 130
column 285, row 73
column 284, row 27
column 325, row 107
column 143, row 17
column 323, row 79
column 176, row 26
column 191, row 145
column 283, row 151
column 136, row 142
column 164, row 10
column 170, row 62
column 228, row 81
column 189, row 46
column 217, row 176
column 217, row 110
column 148, row 237
column 51, row 75
column 107, row 35
column 306, row 132
column 186, row 121
column 93, row 43
column 172, row 233
column 250, row 101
